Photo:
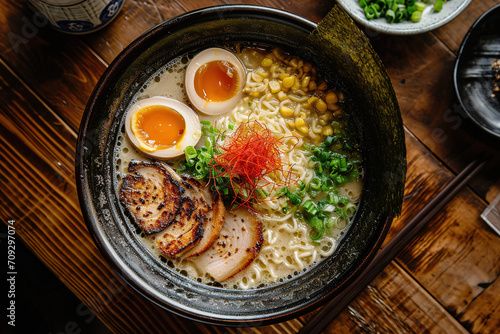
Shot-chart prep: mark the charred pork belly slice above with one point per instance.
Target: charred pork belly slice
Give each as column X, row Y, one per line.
column 215, row 215
column 151, row 196
column 238, row 245
column 185, row 232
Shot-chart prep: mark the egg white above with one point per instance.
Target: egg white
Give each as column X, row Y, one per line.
column 204, row 57
column 191, row 134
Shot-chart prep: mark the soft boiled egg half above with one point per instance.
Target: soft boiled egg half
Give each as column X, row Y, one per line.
column 161, row 127
column 214, row 81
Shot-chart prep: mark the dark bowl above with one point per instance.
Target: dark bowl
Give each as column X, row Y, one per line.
column 345, row 58
column 473, row 75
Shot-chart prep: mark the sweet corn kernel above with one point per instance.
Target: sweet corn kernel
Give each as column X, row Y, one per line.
column 327, row 131
column 331, row 98
column 282, row 96
column 291, row 124
column 271, row 56
column 322, row 86
column 255, row 94
column 307, row 67
column 283, row 75
column 322, row 122
column 340, row 96
column 274, row 86
column 312, row 85
column 334, row 107
column 312, row 100
column 305, row 81
column 305, row 105
column 288, row 81
column 303, row 129
column 299, row 122
column 286, row 111
column 277, row 53
column 266, row 62
column 321, row 105
column 327, row 116
column 293, row 62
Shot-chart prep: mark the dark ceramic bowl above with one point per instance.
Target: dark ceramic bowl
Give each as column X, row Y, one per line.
column 345, row 58
column 473, row 75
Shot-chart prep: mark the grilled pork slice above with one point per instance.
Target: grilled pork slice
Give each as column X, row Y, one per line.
column 238, row 245
column 199, row 224
column 150, row 195
column 214, row 217
column 187, row 231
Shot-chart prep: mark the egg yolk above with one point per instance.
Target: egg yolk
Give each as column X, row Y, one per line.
column 158, row 127
column 216, row 81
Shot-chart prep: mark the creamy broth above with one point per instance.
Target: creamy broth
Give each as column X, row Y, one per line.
column 288, row 249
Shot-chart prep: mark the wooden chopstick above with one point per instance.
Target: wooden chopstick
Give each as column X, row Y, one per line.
column 321, row 320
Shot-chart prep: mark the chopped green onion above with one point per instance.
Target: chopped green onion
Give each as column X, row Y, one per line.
column 230, row 125
column 317, row 236
column 200, row 168
column 310, row 207
column 328, row 141
column 190, row 152
column 416, row 16
column 390, row 16
column 438, row 5
column 294, row 198
column 349, row 210
column 315, row 183
column 396, row 11
column 343, row 165
column 313, row 193
column 369, row 12
column 329, row 208
column 262, row 193
column 319, row 226
column 420, row 6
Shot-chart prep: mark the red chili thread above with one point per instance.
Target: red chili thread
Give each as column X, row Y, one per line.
column 250, row 153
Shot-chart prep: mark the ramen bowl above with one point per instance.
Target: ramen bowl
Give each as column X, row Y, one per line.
column 344, row 57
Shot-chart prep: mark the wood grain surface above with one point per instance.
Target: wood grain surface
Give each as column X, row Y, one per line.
column 445, row 280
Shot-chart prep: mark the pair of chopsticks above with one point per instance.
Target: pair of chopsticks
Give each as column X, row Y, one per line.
column 321, row 320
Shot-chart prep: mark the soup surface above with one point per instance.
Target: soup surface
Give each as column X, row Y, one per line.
column 307, row 201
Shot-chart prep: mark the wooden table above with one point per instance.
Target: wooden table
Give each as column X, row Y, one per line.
column 445, row 280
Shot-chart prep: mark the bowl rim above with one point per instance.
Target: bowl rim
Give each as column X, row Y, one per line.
column 92, row 220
